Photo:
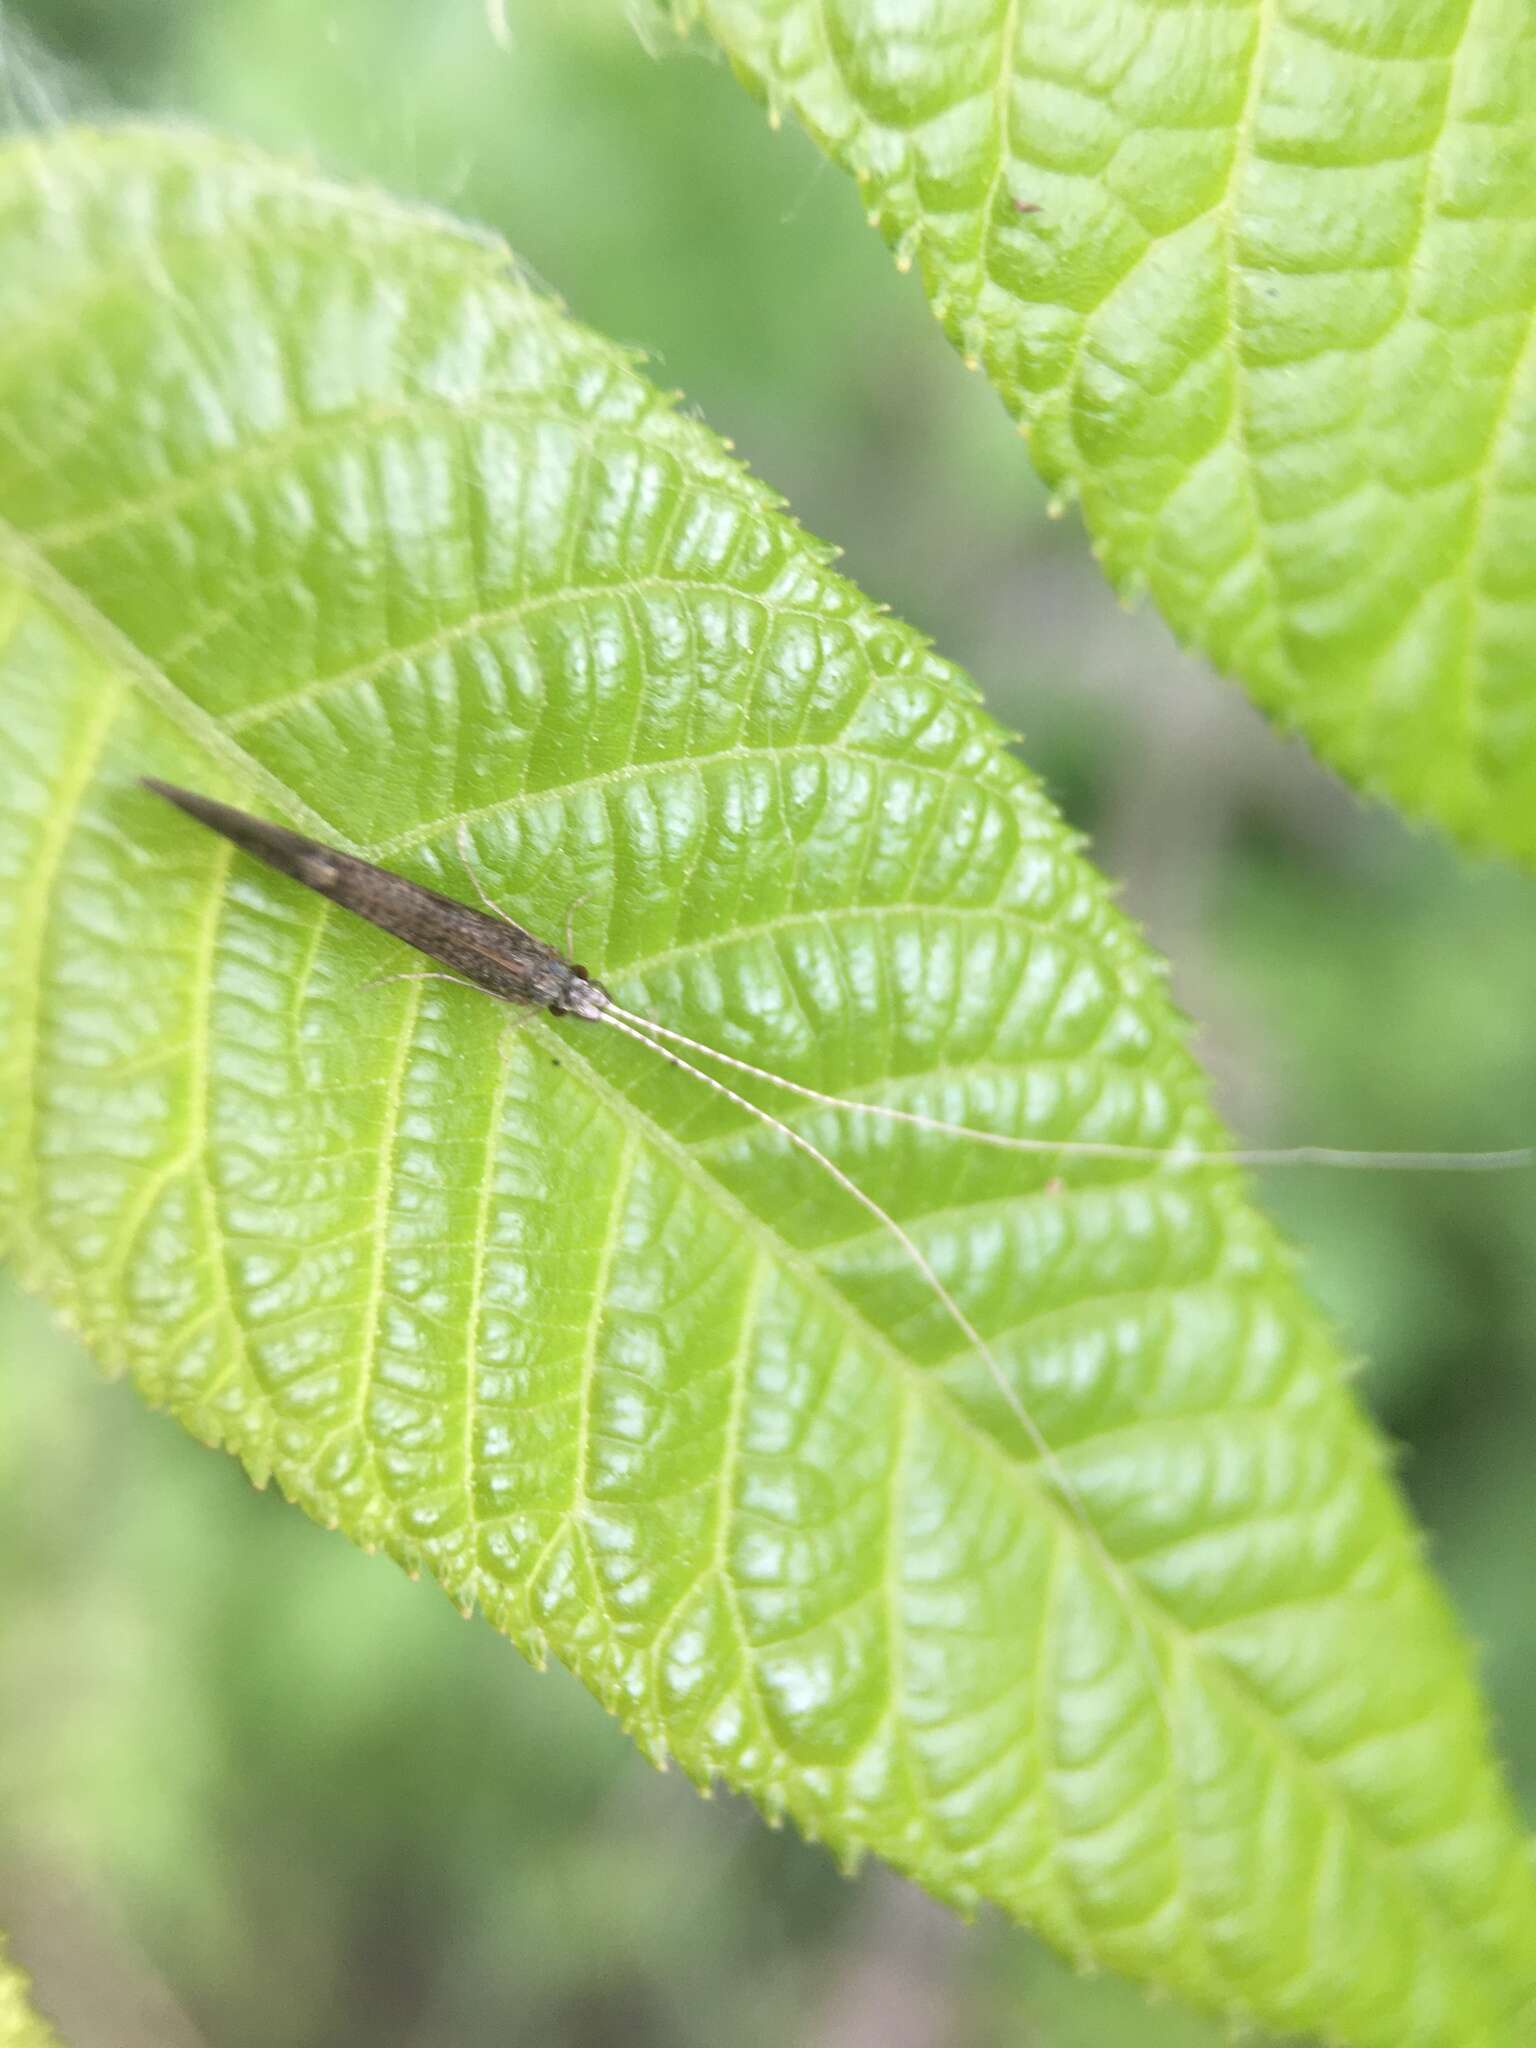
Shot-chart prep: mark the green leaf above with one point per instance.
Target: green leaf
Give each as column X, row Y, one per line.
column 20, row 2026
column 311, row 503
column 1259, row 282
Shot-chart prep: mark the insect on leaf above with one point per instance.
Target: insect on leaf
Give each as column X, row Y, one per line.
column 310, row 504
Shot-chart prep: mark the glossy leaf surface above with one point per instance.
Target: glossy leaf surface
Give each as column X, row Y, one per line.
column 1259, row 279
column 310, row 503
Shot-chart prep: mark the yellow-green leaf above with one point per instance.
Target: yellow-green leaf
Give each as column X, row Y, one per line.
column 1259, row 279
column 310, row 502
column 20, row 2026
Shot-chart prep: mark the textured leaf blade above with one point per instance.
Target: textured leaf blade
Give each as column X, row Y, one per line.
column 312, row 504
column 1260, row 281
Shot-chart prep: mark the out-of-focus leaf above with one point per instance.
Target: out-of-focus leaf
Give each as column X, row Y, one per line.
column 20, row 2026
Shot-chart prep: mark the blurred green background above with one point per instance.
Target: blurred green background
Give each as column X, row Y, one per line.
column 256, row 1788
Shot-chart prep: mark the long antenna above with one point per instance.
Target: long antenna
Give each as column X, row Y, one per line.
column 1061, row 1481
column 491, row 951
column 1088, row 1148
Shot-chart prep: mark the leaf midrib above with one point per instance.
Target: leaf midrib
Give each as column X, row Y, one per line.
column 1194, row 1646
column 1400, row 1860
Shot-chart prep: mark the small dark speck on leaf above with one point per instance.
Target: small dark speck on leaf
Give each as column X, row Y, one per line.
column 1027, row 206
